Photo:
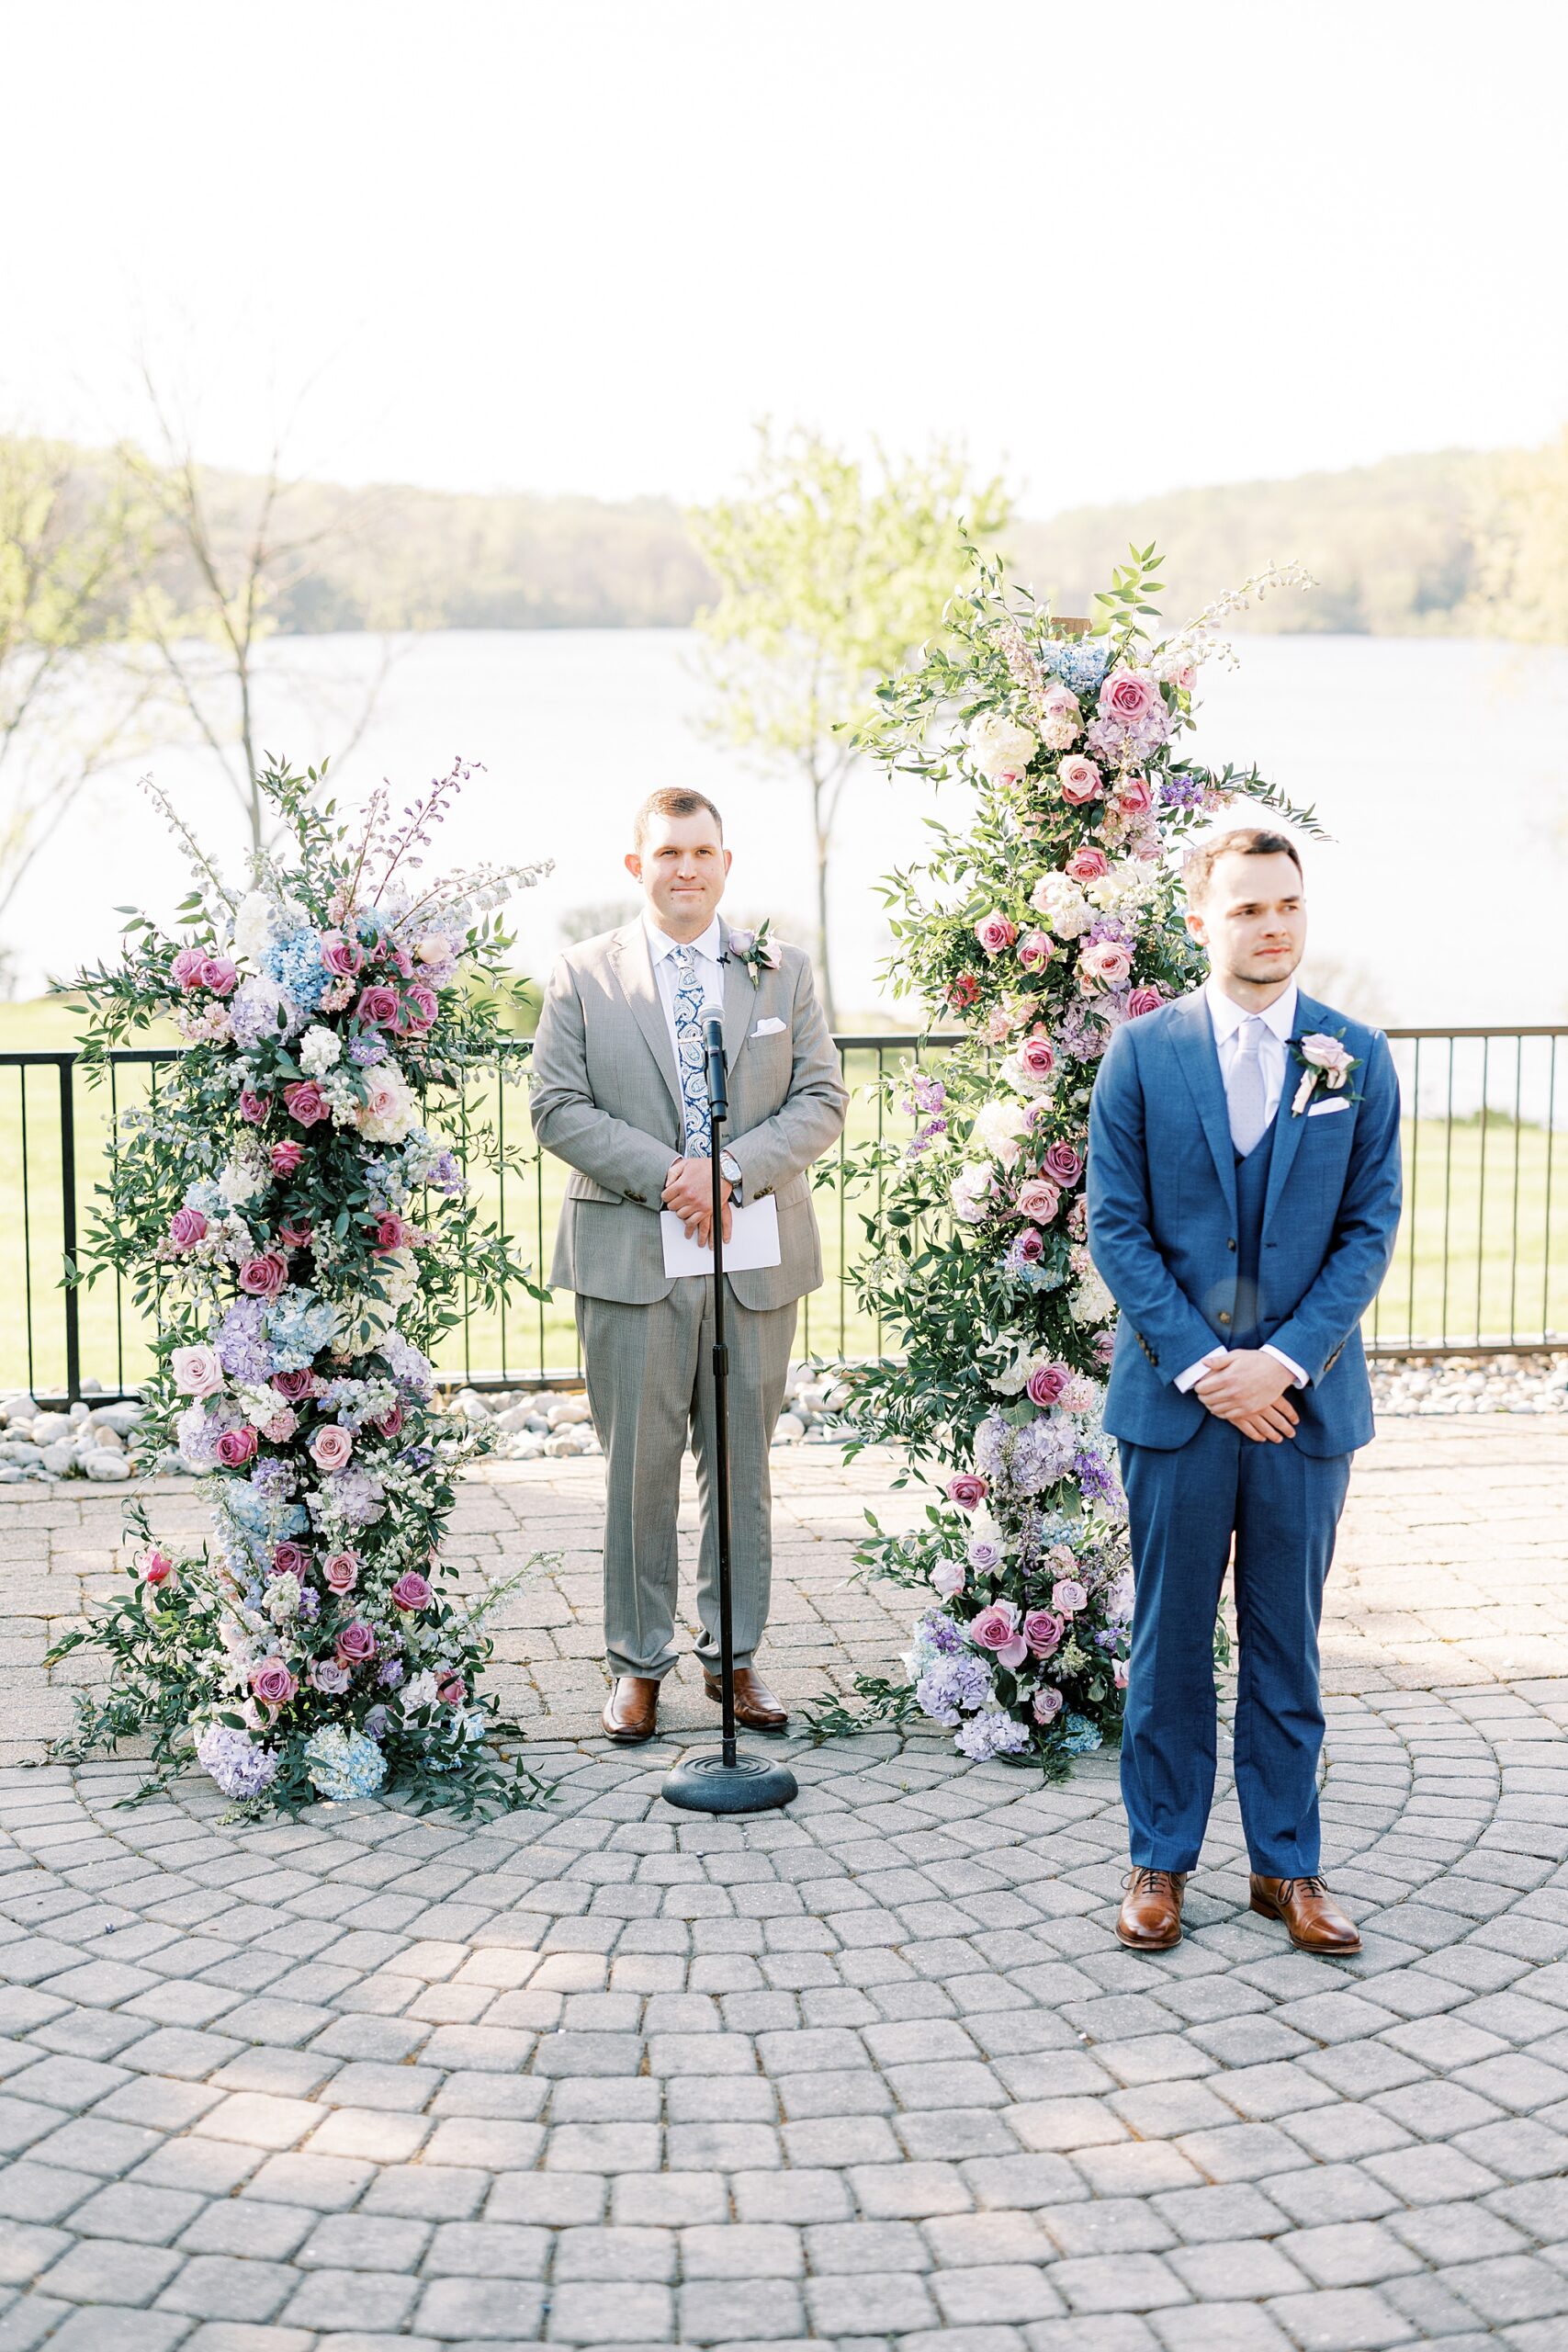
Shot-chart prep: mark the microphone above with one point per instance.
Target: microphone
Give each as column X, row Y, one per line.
column 712, row 1020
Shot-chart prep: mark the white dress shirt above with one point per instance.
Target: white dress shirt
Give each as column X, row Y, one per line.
column 1279, row 1020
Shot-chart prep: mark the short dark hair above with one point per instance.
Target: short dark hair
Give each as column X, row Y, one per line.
column 1245, row 840
column 673, row 801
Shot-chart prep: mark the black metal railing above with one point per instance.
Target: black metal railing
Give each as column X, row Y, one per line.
column 1481, row 1265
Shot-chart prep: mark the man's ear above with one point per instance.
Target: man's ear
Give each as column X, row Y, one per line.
column 633, row 864
column 1196, row 927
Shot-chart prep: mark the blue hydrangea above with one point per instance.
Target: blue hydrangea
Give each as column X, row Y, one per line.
column 993, row 1734
column 343, row 1764
column 299, row 1326
column 1082, row 1738
column 295, row 963
column 232, row 1759
column 204, row 1195
column 1080, row 662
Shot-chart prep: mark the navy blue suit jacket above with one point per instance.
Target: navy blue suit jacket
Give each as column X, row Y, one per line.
column 1162, row 1223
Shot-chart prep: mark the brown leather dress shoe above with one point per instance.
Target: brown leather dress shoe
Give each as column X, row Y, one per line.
column 1150, row 1917
column 631, row 1711
column 755, row 1706
column 1313, row 1918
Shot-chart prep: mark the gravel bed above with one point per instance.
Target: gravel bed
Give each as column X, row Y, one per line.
column 1534, row 1383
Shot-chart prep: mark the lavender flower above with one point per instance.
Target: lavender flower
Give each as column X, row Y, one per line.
column 241, row 1342
column 1095, row 1477
column 953, row 1685
column 232, row 1759
column 365, row 1052
column 993, row 1734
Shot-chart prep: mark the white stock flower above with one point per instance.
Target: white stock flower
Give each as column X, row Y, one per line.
column 1091, row 1302
column 242, row 1178
column 282, row 1600
column 253, row 928
column 999, row 747
column 319, row 1049
column 420, row 1690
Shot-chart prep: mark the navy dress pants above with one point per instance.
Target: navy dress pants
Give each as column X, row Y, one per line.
column 1283, row 1507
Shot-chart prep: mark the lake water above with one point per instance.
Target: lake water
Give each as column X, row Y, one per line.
column 1439, row 766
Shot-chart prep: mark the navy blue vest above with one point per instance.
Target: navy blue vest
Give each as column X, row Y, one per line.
column 1251, row 1192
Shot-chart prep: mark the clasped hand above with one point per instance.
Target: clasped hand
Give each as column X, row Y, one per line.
column 688, row 1189
column 1246, row 1386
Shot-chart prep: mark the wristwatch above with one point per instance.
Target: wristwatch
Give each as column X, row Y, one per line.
column 731, row 1167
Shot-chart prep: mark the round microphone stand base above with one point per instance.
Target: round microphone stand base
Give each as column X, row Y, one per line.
column 751, row 1784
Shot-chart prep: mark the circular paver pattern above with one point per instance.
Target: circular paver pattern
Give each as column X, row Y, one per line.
column 872, row 2073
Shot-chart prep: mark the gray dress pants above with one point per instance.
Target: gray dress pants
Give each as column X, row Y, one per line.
column 650, row 1391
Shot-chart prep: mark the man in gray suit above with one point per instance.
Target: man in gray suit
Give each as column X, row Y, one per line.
column 618, row 1093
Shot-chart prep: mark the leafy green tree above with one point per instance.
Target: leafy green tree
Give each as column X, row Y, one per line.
column 1522, row 537
column 830, row 574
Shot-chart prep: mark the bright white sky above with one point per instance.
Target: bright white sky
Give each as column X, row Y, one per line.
column 582, row 245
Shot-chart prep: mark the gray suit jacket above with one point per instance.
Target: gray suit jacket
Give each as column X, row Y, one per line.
column 605, row 1099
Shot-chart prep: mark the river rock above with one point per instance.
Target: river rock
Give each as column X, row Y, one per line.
column 788, row 1429
column 105, row 1466
column 61, row 1457
column 49, row 1426
column 568, row 1412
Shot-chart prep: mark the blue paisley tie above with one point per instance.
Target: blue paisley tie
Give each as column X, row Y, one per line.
column 690, row 1056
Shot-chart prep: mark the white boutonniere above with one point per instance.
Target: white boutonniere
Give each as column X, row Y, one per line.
column 758, row 950
column 1323, row 1061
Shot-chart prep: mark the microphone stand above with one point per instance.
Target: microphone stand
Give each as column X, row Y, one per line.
column 730, row 1782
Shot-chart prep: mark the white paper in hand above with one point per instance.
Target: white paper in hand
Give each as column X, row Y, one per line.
column 753, row 1241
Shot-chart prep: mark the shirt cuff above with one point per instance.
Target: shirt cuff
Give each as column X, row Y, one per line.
column 1194, row 1372
column 1297, row 1375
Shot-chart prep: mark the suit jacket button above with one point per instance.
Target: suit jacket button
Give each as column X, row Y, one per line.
column 1230, row 1243
column 1223, row 1316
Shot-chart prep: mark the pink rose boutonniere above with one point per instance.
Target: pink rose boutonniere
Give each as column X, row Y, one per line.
column 1323, row 1061
column 758, row 950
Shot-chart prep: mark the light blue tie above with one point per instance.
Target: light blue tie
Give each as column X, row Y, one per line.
column 690, row 1056
column 1247, row 1093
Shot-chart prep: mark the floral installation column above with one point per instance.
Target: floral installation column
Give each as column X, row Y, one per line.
column 1039, row 927
column 300, row 1233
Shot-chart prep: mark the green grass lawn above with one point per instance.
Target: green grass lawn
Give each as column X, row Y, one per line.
column 1478, row 1254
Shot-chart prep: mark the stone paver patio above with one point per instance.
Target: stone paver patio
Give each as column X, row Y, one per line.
column 872, row 2074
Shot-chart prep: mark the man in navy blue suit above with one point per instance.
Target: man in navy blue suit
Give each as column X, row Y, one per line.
column 1243, row 1193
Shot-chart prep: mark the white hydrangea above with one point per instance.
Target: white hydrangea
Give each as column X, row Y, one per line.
column 1066, row 910
column 420, row 1690
column 1000, row 748
column 319, row 1049
column 1089, row 1301
column 252, row 929
column 245, row 1176
column 999, row 1128
column 969, row 1191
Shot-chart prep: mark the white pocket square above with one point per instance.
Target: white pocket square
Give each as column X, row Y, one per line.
column 1321, row 1109
column 768, row 1028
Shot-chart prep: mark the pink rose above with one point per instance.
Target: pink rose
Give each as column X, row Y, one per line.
column 412, row 1590
column 186, row 969
column 1142, row 1000
column 355, row 1644
column 304, row 1102
column 285, row 1157
column 419, row 1008
column 341, row 956
column 1134, row 797
column 331, row 1674
column 1047, row 1705
column 381, row 1100
column 1104, row 1346
column 332, row 1446
column 1060, row 718
column 964, row 992
column 1081, row 780
column 1068, row 1596
column 156, row 1567
column 186, row 1227
column 289, row 1559
column 273, row 1683
column 968, row 1490
column 995, row 1628
column 994, row 933
column 452, row 1690
column 1062, row 1164
column 196, row 1370
column 1037, row 1057
column 1086, row 864
column 377, row 1007
column 1107, row 961
column 1038, row 1200
column 391, row 1233
column 1119, row 1672
column 391, row 1423
column 1042, row 1631
column 280, row 1426
column 295, row 1237
column 236, row 1447
column 253, row 1107
column 947, row 1579
column 1046, row 1384
column 218, row 974
column 1128, row 695
column 265, row 1276
column 292, row 1386
column 341, row 1573
column 1035, row 950
column 1029, row 1247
